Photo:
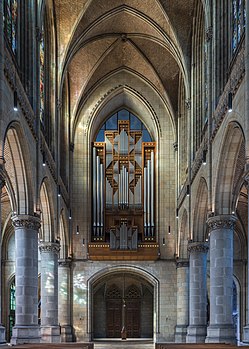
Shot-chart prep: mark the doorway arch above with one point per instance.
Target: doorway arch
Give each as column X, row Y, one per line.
column 123, row 296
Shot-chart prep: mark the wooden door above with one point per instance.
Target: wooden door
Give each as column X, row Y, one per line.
column 113, row 318
column 132, row 318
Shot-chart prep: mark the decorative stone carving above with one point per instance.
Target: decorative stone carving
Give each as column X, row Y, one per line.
column 188, row 104
column 209, row 33
column 182, row 264
column 65, row 263
column 198, row 247
column 221, row 222
column 47, row 247
column 175, row 146
column 26, row 222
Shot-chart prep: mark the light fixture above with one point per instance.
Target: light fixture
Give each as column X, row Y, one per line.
column 43, row 159
column 15, row 101
column 163, row 241
column 59, row 190
column 177, row 213
column 204, row 157
column 188, row 190
column 77, row 230
column 83, row 242
column 70, row 214
column 230, row 102
column 169, row 229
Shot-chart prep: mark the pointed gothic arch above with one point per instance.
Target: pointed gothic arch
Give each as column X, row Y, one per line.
column 18, row 170
column 200, row 212
column 227, row 177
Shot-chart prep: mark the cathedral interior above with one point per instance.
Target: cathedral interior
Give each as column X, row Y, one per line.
column 124, row 171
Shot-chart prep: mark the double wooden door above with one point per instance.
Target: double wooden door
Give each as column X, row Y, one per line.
column 132, row 316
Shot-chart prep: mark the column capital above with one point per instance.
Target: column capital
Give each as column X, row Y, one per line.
column 182, row 263
column 200, row 247
column 225, row 221
column 47, row 247
column 65, row 263
column 23, row 221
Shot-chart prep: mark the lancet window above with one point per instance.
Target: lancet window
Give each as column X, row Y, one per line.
column 238, row 22
column 10, row 23
column 123, row 180
column 42, row 73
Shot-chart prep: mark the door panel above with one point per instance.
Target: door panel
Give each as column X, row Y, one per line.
column 113, row 318
column 132, row 318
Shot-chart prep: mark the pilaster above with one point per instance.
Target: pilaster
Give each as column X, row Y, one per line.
column 197, row 329
column 221, row 329
column 50, row 330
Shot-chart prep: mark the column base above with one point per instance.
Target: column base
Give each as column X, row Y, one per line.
column 221, row 334
column 180, row 333
column 66, row 333
column 196, row 334
column 25, row 334
column 50, row 334
column 246, row 334
column 2, row 334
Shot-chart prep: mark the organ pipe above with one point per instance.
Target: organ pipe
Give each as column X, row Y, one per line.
column 145, row 200
column 152, row 190
column 148, row 195
column 94, row 191
column 98, row 193
column 101, row 200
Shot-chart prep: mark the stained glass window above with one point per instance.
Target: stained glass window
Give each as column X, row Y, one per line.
column 42, row 66
column 10, row 23
column 238, row 22
column 12, row 307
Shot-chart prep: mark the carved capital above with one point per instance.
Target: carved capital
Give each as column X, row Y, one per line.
column 48, row 247
column 65, row 263
column 26, row 222
column 209, row 33
column 175, row 146
column 198, row 247
column 182, row 263
column 221, row 222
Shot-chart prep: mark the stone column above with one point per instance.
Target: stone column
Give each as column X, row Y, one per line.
column 182, row 300
column 2, row 328
column 26, row 329
column 197, row 328
column 221, row 329
column 64, row 300
column 50, row 330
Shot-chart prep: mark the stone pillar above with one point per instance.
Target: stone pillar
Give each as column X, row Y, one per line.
column 182, row 300
column 64, row 300
column 221, row 329
column 26, row 329
column 2, row 328
column 50, row 330
column 197, row 328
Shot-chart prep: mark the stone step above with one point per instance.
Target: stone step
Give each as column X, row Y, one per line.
column 124, row 344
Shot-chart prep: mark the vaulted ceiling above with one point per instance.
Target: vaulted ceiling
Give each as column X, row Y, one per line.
column 149, row 38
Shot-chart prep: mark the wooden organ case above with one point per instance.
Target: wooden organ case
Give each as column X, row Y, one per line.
column 123, row 212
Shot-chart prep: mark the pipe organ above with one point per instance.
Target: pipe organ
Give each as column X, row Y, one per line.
column 123, row 188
